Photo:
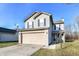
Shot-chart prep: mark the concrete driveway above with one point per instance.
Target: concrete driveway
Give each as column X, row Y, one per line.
column 19, row 50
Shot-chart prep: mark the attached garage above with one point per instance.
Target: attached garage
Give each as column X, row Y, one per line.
column 39, row 37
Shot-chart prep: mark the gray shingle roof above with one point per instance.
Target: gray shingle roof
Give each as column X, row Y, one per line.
column 5, row 30
column 59, row 22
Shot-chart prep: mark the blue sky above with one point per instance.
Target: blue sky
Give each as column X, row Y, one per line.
column 15, row 13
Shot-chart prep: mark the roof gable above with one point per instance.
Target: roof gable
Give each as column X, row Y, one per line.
column 36, row 14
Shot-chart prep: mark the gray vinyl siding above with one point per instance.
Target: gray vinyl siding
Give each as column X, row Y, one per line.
column 50, row 37
column 8, row 36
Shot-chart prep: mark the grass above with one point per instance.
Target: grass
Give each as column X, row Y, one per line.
column 68, row 49
column 6, row 44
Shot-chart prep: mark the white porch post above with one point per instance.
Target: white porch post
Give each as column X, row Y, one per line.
column 19, row 39
column 63, row 38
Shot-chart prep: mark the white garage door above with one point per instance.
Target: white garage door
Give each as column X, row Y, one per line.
column 34, row 38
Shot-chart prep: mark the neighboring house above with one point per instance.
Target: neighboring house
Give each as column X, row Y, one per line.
column 8, row 35
column 38, row 29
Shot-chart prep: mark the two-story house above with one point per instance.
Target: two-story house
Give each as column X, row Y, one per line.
column 38, row 29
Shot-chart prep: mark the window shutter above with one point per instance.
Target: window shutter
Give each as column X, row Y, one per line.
column 38, row 22
column 27, row 24
column 32, row 24
column 44, row 22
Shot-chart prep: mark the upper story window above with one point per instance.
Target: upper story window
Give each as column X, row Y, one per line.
column 30, row 24
column 27, row 24
column 38, row 22
column 58, row 26
column 41, row 22
column 44, row 21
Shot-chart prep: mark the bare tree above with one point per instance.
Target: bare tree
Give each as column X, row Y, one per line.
column 77, row 20
column 69, row 32
column 77, row 25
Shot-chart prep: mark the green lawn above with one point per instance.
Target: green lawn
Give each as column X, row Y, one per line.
column 6, row 44
column 69, row 49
